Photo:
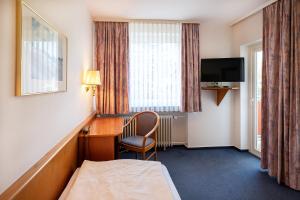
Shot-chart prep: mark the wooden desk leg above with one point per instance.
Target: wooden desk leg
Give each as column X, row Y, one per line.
column 101, row 148
column 81, row 150
column 117, row 149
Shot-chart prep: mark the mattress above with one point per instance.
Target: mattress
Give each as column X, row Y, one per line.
column 166, row 174
column 170, row 183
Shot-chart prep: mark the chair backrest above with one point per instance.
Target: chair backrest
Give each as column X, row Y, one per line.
column 145, row 122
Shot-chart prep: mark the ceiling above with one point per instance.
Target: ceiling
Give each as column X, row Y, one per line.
column 188, row 10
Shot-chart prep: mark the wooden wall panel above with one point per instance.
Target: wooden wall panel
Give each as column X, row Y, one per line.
column 49, row 176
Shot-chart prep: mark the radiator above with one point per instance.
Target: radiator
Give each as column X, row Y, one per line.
column 164, row 131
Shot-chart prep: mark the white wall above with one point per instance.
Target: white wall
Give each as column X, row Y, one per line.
column 245, row 33
column 214, row 126
column 30, row 126
column 226, row 124
column 180, row 129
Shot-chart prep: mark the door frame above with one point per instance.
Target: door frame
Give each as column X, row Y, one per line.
column 252, row 96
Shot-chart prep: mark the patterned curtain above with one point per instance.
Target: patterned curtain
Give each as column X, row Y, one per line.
column 112, row 62
column 281, row 92
column 190, row 68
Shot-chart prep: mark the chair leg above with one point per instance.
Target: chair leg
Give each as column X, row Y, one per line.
column 136, row 155
column 144, row 155
column 119, row 151
column 155, row 154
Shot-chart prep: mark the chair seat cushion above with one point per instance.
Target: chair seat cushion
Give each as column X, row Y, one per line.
column 137, row 141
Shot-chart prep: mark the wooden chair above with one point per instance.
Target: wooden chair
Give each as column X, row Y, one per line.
column 146, row 135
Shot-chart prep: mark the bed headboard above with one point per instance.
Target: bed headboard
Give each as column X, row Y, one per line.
column 49, row 176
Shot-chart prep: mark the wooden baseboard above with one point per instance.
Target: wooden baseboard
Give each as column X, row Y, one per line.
column 47, row 178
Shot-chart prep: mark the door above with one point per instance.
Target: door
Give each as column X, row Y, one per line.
column 256, row 56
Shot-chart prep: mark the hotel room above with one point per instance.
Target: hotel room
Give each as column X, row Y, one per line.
column 150, row 100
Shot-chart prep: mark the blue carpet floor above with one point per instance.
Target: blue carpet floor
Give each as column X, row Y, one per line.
column 220, row 174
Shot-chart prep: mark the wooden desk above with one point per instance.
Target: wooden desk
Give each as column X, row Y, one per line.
column 99, row 143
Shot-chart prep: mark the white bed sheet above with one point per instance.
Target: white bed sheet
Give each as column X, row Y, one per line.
column 165, row 171
column 170, row 183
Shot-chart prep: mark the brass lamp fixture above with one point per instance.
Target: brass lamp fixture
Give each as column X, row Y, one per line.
column 92, row 81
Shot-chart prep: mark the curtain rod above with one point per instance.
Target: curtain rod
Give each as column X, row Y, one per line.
column 256, row 10
column 150, row 20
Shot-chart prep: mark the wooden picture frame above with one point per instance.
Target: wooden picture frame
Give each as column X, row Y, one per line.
column 41, row 55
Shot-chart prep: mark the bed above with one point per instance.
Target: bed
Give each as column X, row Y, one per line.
column 121, row 179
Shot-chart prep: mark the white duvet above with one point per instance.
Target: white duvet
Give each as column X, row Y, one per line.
column 121, row 180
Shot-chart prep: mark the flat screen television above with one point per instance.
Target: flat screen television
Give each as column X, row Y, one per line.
column 222, row 70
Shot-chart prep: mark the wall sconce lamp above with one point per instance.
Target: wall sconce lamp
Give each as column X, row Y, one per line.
column 92, row 81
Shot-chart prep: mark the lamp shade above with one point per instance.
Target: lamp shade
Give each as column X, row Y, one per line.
column 92, row 78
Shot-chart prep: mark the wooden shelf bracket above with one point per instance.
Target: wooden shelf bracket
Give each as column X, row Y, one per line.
column 221, row 92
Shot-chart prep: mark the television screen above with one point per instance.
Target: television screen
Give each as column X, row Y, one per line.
column 222, row 70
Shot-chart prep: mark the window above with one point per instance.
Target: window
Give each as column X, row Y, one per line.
column 154, row 66
column 256, row 57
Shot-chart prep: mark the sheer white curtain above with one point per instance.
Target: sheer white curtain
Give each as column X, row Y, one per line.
column 154, row 66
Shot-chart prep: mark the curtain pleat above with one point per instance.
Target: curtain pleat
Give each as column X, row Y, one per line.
column 112, row 62
column 191, row 101
column 281, row 92
column 155, row 66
